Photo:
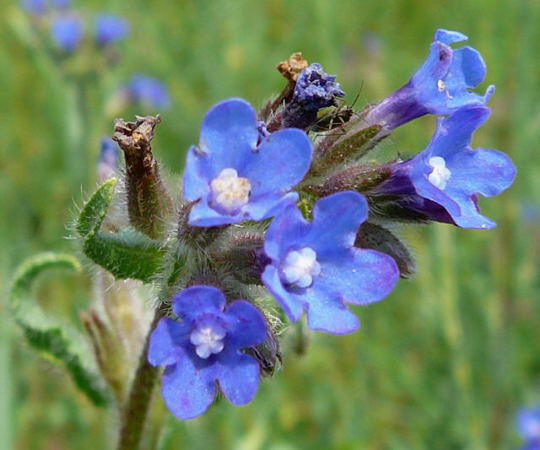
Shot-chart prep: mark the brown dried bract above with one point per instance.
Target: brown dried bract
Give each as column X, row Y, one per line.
column 293, row 67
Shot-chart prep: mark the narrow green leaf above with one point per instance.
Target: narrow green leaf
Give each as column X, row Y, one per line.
column 54, row 341
column 95, row 209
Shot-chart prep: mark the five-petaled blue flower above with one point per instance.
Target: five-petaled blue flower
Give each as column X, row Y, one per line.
column 440, row 86
column 316, row 267
column 528, row 423
column 67, row 31
column 110, row 28
column 204, row 348
column 236, row 174
column 451, row 174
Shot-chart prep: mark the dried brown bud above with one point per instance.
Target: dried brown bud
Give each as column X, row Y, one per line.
column 293, row 67
column 149, row 203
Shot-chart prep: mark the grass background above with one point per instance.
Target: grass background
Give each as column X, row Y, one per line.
column 443, row 363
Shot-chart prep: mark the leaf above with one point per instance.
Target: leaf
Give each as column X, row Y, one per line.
column 51, row 339
column 127, row 253
column 94, row 211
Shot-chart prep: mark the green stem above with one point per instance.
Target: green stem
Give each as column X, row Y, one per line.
column 137, row 406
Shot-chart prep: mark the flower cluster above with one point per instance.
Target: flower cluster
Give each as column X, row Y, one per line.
column 67, row 27
column 308, row 219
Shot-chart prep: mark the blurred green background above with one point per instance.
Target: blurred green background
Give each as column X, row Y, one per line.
column 443, row 363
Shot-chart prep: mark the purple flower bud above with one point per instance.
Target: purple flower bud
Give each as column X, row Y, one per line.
column 440, row 86
column 110, row 28
column 148, row 90
column 314, row 90
column 67, row 32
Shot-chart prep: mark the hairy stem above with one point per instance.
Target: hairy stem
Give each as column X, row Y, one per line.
column 136, row 408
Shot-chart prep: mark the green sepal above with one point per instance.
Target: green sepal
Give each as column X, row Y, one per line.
column 127, row 253
column 51, row 339
column 379, row 238
column 331, row 153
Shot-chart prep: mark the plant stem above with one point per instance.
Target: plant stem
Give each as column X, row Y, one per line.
column 136, row 408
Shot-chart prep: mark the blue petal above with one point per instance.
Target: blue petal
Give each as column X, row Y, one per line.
column 434, row 68
column 196, row 175
column 468, row 69
column 292, row 304
column 197, row 300
column 228, row 135
column 246, row 325
column 449, row 37
column 269, row 205
column 238, row 376
column 455, row 132
column 165, row 343
column 336, row 220
column 326, row 312
column 480, row 171
column 188, row 390
column 469, row 215
column 280, row 163
column 427, row 190
column 286, row 230
column 202, row 215
column 360, row 276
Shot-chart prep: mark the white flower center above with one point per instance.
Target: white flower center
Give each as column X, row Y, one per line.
column 441, row 86
column 230, row 191
column 207, row 340
column 440, row 174
column 300, row 266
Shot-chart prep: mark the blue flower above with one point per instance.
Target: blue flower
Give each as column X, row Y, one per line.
column 314, row 90
column 440, row 86
column 35, row 7
column 316, row 267
column 528, row 423
column 451, row 174
column 149, row 90
column 110, row 28
column 205, row 347
column 108, row 159
column 236, row 173
column 67, row 32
